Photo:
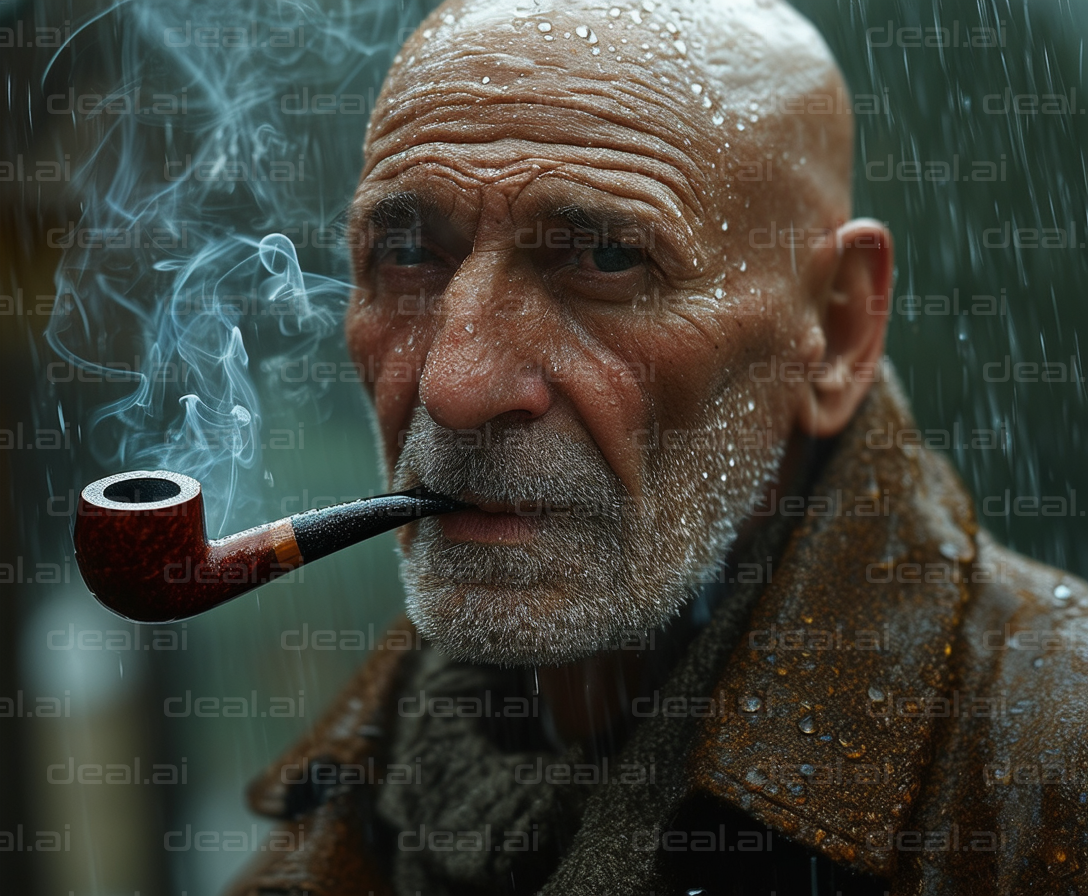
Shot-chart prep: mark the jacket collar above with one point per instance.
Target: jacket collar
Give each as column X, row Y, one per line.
column 829, row 705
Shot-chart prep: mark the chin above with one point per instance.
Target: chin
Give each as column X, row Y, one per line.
column 500, row 605
column 528, row 624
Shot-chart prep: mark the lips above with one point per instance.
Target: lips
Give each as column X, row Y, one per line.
column 494, row 522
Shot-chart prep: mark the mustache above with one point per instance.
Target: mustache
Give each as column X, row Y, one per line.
column 520, row 464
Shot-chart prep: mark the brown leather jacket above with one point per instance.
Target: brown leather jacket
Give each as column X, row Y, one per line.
column 909, row 700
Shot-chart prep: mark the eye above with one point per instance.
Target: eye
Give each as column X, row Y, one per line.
column 408, row 256
column 611, row 258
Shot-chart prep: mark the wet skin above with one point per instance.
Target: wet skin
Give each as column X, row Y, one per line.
column 545, row 232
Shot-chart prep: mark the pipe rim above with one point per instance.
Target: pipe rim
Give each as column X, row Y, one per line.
column 94, row 493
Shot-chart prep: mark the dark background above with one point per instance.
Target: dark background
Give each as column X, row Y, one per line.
column 951, row 240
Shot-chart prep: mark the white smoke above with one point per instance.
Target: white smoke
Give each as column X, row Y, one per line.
column 220, row 157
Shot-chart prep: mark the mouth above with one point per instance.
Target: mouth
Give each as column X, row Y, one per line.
column 490, row 521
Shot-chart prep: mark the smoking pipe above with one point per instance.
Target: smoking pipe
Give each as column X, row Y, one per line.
column 143, row 551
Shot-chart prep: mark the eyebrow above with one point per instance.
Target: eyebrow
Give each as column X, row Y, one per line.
column 593, row 219
column 611, row 224
column 401, row 210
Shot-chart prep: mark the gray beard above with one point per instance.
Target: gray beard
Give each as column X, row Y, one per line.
column 605, row 568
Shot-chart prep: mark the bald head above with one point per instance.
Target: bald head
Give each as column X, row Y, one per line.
column 718, row 90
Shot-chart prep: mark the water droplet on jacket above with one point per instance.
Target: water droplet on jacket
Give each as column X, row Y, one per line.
column 876, row 694
column 751, row 704
column 1037, row 662
column 470, row 328
column 743, row 266
column 807, row 725
column 756, row 778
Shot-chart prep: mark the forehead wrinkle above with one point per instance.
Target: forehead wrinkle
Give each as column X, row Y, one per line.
column 414, row 139
column 601, row 170
column 615, row 106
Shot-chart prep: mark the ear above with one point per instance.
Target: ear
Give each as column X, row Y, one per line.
column 853, row 311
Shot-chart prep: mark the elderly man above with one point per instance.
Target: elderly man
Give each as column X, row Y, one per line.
column 716, row 623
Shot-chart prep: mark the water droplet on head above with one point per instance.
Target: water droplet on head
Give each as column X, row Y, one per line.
column 544, row 27
column 582, row 31
column 485, row 80
column 697, row 89
column 876, row 694
column 470, row 328
column 725, row 225
column 751, row 405
column 807, row 725
column 1062, row 592
column 717, row 118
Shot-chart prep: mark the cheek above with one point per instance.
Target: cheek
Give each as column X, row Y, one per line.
column 388, row 346
column 737, row 353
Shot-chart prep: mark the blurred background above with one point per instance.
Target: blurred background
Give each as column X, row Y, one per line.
column 150, row 151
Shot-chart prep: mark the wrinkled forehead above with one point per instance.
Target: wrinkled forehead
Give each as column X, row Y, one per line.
column 680, row 92
column 602, row 77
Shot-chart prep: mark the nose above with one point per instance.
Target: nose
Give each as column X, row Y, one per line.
column 487, row 357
